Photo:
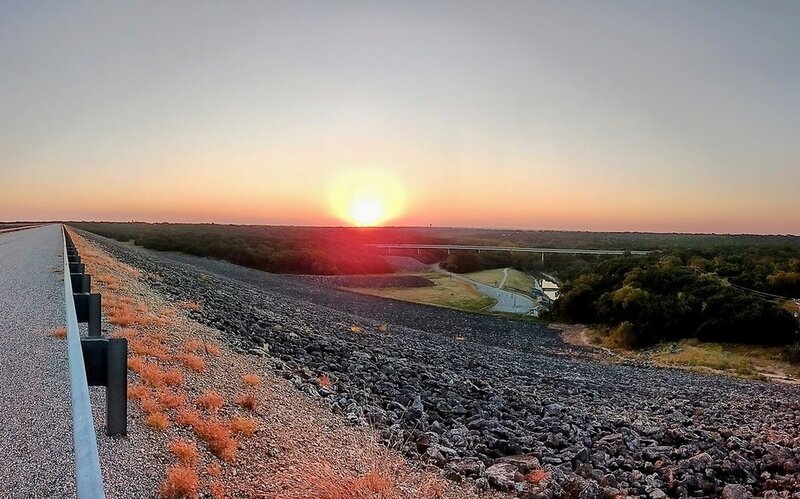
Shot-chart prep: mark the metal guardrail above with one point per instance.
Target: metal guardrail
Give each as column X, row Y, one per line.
column 88, row 478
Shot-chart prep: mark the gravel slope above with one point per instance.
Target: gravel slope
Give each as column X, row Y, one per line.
column 464, row 391
column 35, row 411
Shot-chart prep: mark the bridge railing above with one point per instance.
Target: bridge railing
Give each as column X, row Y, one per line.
column 89, row 481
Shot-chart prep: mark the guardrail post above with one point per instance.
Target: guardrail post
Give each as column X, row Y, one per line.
column 77, row 268
column 106, row 362
column 87, row 308
column 81, row 283
column 117, row 387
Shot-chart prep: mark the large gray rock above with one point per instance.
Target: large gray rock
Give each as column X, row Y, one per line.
column 502, row 475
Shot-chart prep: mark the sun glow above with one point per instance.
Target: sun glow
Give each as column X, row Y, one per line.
column 366, row 198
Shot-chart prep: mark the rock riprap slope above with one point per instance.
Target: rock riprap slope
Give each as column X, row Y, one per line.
column 504, row 403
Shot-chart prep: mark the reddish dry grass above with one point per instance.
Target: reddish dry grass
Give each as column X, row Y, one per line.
column 107, row 280
column 187, row 417
column 244, row 425
column 193, row 362
column 214, row 469
column 217, row 438
column 59, row 332
column 248, row 401
column 180, row 483
column 170, row 399
column 135, row 363
column 193, row 346
column 173, row 378
column 321, row 480
column 536, row 476
column 151, row 347
column 213, row 350
column 185, row 451
column 251, row 379
column 325, row 381
column 217, row 490
column 127, row 333
column 190, row 305
column 210, row 400
column 137, row 392
column 149, row 405
column 152, row 375
column 157, row 421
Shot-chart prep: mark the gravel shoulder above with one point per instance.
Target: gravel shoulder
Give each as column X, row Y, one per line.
column 35, row 407
column 493, row 401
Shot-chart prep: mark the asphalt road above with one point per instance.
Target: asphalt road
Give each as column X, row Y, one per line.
column 36, row 435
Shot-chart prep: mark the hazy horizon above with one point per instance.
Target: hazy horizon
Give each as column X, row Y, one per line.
column 621, row 116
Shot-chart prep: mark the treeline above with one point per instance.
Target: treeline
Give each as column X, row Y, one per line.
column 646, row 300
column 301, row 250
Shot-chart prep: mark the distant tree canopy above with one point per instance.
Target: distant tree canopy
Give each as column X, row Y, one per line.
column 299, row 250
column 655, row 299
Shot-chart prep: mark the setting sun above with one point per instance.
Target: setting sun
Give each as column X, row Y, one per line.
column 366, row 198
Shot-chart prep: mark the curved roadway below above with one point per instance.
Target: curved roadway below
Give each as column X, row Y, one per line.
column 506, row 301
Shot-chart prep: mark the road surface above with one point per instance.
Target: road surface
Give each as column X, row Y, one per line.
column 507, row 301
column 36, row 436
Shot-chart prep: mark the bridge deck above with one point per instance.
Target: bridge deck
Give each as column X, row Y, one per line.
column 35, row 411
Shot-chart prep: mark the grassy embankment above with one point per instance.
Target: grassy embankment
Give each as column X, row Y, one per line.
column 744, row 361
column 517, row 281
column 446, row 292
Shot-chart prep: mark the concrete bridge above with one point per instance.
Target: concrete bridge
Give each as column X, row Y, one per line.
column 510, row 249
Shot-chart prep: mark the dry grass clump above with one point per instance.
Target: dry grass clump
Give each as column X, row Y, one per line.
column 149, row 405
column 173, row 378
column 193, row 362
column 321, row 480
column 244, row 425
column 180, row 483
column 190, row 305
column 135, row 363
column 187, row 417
column 431, row 489
column 157, row 421
column 59, row 332
column 356, row 329
column 214, row 469
column 210, row 400
column 251, row 379
column 152, row 375
column 127, row 333
column 108, row 280
column 137, row 392
column 122, row 311
column 193, row 346
column 217, row 490
column 325, row 381
column 217, row 438
column 248, row 401
column 185, row 451
column 170, row 399
column 536, row 476
column 150, row 346
column 214, row 350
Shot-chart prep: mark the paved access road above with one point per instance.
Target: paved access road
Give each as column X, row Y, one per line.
column 507, row 301
column 35, row 413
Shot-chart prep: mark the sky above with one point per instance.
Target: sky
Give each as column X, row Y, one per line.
column 617, row 115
